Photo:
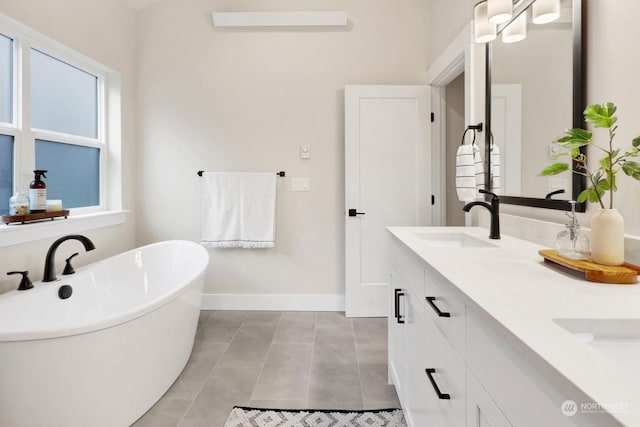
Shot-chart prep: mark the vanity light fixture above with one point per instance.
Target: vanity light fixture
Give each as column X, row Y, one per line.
column 517, row 30
column 499, row 11
column 545, row 11
column 484, row 32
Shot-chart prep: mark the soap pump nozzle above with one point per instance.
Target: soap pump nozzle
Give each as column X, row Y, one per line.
column 40, row 173
column 572, row 243
column 573, row 224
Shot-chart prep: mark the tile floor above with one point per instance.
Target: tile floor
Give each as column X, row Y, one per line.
column 289, row 360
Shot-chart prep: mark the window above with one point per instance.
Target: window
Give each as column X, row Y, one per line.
column 6, row 172
column 64, row 98
column 60, row 126
column 6, row 79
column 73, row 172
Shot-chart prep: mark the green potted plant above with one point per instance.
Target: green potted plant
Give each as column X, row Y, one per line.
column 607, row 225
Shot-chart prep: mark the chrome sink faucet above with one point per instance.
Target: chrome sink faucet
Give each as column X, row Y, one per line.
column 494, row 208
column 50, row 261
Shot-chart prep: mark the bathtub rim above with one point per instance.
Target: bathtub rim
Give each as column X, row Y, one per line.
column 109, row 321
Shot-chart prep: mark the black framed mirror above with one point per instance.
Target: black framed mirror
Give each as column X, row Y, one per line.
column 534, row 90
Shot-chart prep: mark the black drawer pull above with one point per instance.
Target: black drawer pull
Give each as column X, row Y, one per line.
column 398, row 293
column 443, row 396
column 431, row 300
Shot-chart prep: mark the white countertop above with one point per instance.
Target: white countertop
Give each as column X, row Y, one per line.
column 513, row 285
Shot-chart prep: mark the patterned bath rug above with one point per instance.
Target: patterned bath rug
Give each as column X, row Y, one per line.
column 254, row 417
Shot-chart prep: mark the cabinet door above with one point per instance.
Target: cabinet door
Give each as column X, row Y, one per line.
column 481, row 409
column 415, row 350
column 444, row 375
column 397, row 333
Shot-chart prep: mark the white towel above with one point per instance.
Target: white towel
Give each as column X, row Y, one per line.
column 478, row 167
column 238, row 210
column 465, row 173
column 495, row 169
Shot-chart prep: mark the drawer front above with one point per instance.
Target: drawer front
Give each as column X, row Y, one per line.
column 410, row 267
column 446, row 307
column 444, row 379
column 482, row 411
column 517, row 380
column 396, row 333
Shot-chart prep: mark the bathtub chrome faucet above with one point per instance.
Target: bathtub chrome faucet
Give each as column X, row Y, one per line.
column 494, row 208
column 50, row 261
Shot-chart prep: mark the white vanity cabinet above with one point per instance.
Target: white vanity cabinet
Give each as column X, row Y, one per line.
column 482, row 411
column 407, row 347
column 454, row 365
column 428, row 373
column 527, row 390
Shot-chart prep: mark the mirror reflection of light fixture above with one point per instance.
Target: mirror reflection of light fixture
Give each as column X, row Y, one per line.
column 484, row 32
column 499, row 11
column 545, row 11
column 517, row 30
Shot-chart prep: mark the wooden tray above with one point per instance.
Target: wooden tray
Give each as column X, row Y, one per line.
column 626, row 274
column 21, row 219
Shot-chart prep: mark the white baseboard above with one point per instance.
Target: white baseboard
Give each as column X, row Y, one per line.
column 273, row 302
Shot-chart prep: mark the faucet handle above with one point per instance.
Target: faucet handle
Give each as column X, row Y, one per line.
column 483, row 191
column 25, row 283
column 68, row 268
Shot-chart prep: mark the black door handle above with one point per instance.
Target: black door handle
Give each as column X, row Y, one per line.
column 441, row 395
column 398, row 293
column 353, row 212
column 431, row 300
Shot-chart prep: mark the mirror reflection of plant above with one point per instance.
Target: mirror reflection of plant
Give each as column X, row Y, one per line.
column 603, row 178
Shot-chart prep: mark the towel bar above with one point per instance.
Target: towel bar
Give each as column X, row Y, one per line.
column 281, row 173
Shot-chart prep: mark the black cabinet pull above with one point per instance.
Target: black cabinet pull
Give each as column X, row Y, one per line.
column 431, row 300
column 443, row 396
column 398, row 293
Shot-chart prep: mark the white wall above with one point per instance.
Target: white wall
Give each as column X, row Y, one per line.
column 244, row 100
column 105, row 31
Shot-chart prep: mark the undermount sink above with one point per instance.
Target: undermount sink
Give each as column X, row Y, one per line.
column 454, row 240
column 618, row 339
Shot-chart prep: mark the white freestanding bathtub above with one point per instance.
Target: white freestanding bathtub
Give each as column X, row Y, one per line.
column 105, row 355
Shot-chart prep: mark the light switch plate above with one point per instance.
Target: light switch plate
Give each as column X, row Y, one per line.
column 300, row 184
column 304, row 152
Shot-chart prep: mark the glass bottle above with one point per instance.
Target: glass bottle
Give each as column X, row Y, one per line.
column 19, row 203
column 572, row 243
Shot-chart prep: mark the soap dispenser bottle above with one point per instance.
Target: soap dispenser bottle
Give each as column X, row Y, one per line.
column 572, row 243
column 38, row 193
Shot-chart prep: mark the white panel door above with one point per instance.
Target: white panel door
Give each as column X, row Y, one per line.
column 506, row 128
column 386, row 184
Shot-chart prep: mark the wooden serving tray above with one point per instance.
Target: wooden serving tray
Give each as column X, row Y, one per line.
column 625, row 274
column 22, row 219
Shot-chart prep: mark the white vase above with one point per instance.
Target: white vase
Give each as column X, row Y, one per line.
column 607, row 237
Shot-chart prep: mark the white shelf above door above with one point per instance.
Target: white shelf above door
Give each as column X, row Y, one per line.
column 279, row 19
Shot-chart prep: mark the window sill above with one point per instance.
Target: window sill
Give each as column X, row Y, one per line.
column 16, row 234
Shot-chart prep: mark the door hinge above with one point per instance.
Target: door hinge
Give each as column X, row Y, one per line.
column 433, row 200
column 433, row 117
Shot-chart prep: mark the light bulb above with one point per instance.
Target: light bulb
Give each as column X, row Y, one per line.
column 484, row 32
column 499, row 11
column 516, row 30
column 545, row 11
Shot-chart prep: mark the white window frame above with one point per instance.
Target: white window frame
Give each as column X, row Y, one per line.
column 109, row 210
